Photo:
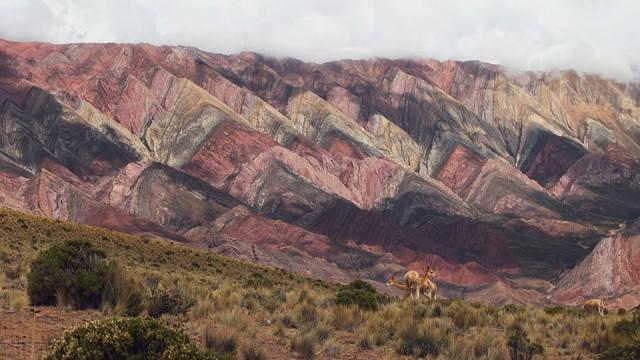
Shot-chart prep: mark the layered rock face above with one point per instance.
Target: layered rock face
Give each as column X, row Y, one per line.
column 514, row 187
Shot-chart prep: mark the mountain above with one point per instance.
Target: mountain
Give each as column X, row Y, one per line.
column 519, row 188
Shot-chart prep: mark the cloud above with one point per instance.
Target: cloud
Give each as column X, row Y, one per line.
column 594, row 36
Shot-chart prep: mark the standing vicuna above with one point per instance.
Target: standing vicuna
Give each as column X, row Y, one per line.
column 428, row 287
column 414, row 284
column 407, row 291
column 594, row 305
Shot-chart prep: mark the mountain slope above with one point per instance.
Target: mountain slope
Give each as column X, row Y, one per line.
column 337, row 170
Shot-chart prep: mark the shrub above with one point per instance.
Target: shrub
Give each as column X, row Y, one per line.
column 72, row 273
column 511, row 308
column 304, row 345
column 622, row 352
column 359, row 293
column 256, row 280
column 121, row 295
column 561, row 309
column 421, row 339
column 463, row 315
column 13, row 299
column 221, row 341
column 520, row 347
column 305, row 314
column 251, row 353
column 365, row 343
column 163, row 301
column 629, row 348
column 347, row 317
column 124, row 338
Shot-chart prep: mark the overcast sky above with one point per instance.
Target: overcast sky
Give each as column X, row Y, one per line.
column 591, row 36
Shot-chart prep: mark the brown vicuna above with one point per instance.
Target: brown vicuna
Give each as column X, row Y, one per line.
column 427, row 287
column 413, row 281
column 594, row 305
column 397, row 285
column 414, row 284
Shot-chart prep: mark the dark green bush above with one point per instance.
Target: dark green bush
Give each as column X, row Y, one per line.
column 126, row 338
column 163, row 301
column 623, row 352
column 360, row 293
column 72, row 272
column 629, row 330
column 520, row 346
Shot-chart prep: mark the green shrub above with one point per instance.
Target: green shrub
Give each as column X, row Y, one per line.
column 622, row 352
column 520, row 347
column 72, row 273
column 629, row 348
column 359, row 293
column 126, row 338
column 163, row 301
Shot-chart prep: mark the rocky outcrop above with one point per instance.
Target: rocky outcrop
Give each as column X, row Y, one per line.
column 507, row 184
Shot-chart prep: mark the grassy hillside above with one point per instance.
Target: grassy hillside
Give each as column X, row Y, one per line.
column 246, row 306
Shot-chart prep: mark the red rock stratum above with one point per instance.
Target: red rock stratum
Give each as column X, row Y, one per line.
column 516, row 188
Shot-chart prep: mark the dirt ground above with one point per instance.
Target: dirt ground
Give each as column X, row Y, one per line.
column 27, row 334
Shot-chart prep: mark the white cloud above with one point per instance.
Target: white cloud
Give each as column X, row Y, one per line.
column 593, row 36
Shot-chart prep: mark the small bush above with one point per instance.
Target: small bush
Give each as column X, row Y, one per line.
column 257, row 280
column 251, row 353
column 347, row 317
column 561, row 309
column 359, row 293
column 622, row 352
column 72, row 273
column 304, row 345
column 126, row 338
column 512, row 308
column 305, row 314
column 289, row 322
column 463, row 315
column 365, row 343
column 163, row 301
column 221, row 341
column 121, row 295
column 520, row 347
column 629, row 346
column 421, row 339
column 13, row 299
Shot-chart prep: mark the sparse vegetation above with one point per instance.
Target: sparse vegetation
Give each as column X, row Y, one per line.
column 168, row 301
column 304, row 346
column 252, row 353
column 520, row 346
column 222, row 341
column 302, row 317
